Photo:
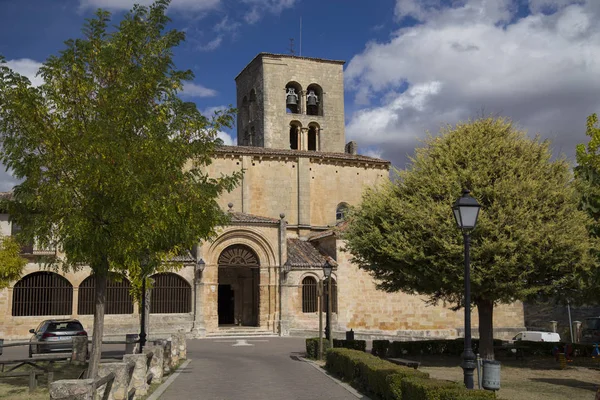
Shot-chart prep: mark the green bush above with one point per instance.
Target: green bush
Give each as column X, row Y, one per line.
column 453, row 347
column 414, row 388
column 312, row 347
column 380, row 348
column 350, row 344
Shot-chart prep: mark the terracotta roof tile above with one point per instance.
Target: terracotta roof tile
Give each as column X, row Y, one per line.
column 251, row 150
column 303, row 254
column 238, row 217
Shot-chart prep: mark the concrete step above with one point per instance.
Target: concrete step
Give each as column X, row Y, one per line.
column 240, row 333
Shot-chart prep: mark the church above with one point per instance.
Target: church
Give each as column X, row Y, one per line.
column 261, row 273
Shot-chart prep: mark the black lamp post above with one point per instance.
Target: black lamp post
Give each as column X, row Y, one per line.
column 327, row 268
column 466, row 211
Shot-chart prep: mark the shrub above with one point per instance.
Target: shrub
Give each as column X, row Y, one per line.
column 453, row 347
column 434, row 389
column 380, row 348
column 350, row 344
column 312, row 347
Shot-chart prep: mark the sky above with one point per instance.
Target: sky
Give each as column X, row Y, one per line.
column 412, row 66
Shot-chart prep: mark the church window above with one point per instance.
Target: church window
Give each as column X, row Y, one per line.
column 171, row 294
column 251, row 137
column 340, row 212
column 314, row 100
column 294, row 136
column 252, row 106
column 293, row 95
column 312, row 137
column 334, row 302
column 245, row 112
column 42, row 293
column 309, row 295
column 118, row 296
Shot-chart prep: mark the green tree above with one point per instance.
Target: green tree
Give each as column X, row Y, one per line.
column 111, row 160
column 530, row 240
column 11, row 262
column 587, row 172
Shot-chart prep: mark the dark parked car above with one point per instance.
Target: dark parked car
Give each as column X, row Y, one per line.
column 55, row 332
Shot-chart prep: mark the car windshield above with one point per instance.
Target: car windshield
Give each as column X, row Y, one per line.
column 592, row 323
column 65, row 326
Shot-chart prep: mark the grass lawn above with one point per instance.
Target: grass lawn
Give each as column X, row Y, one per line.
column 18, row 387
column 535, row 378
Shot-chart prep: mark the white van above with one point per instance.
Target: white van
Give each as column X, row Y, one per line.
column 536, row 336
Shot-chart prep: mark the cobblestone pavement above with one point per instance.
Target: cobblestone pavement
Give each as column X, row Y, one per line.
column 252, row 368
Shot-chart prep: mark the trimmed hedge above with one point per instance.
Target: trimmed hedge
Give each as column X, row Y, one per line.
column 548, row 348
column 380, row 348
column 433, row 347
column 312, row 347
column 350, row 344
column 388, row 381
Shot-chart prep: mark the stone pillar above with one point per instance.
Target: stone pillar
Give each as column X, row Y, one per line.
column 72, row 389
column 157, row 362
column 304, row 181
column 181, row 345
column 80, row 350
column 138, row 379
column 174, row 351
column 577, row 331
column 554, row 325
column 166, row 345
column 283, row 295
column 75, row 304
column 304, row 137
column 120, row 385
column 199, row 329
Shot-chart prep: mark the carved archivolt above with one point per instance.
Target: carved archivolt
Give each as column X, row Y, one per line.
column 238, row 255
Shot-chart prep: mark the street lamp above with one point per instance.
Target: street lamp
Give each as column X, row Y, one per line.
column 466, row 211
column 327, row 268
column 200, row 265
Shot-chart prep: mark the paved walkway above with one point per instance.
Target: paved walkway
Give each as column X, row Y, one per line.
column 252, row 369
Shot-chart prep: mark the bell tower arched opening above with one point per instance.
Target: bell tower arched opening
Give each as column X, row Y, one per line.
column 239, row 278
column 295, row 130
column 313, row 137
column 314, row 100
column 293, row 95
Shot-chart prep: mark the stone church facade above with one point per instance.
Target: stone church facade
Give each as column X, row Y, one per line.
column 260, row 274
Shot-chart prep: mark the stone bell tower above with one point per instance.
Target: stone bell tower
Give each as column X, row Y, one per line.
column 290, row 102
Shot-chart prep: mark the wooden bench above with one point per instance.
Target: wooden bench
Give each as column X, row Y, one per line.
column 406, row 363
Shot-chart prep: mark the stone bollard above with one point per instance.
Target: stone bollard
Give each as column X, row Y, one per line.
column 120, row 385
column 174, row 340
column 138, row 380
column 182, row 346
column 166, row 346
column 554, row 326
column 130, row 346
column 72, row 389
column 157, row 362
column 80, row 350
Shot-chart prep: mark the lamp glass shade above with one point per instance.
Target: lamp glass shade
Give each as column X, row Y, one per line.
column 327, row 269
column 200, row 264
column 466, row 211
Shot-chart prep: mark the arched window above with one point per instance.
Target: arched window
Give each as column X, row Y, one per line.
column 171, row 294
column 314, row 99
column 313, row 130
column 252, row 106
column 42, row 293
column 118, row 296
column 245, row 112
column 334, row 305
column 309, row 295
column 295, row 128
column 340, row 212
column 293, row 96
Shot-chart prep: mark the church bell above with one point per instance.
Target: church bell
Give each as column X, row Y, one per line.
column 312, row 99
column 292, row 97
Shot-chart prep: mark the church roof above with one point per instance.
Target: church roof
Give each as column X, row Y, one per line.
column 261, row 55
column 252, row 150
column 244, row 218
column 303, row 254
column 340, row 227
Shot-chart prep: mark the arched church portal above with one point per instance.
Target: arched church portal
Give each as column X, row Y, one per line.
column 239, row 278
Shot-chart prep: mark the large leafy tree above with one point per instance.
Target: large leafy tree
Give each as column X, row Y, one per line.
column 11, row 262
column 110, row 159
column 530, row 239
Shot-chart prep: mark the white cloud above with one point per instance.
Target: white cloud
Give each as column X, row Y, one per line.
column 196, row 90
column 260, row 7
column 461, row 61
column 182, row 5
column 212, row 45
column 27, row 68
column 210, row 111
column 226, row 138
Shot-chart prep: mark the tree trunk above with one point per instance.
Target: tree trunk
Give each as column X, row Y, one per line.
column 485, row 308
column 101, row 279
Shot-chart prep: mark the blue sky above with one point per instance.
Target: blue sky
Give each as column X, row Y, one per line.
column 412, row 65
